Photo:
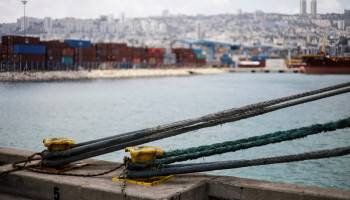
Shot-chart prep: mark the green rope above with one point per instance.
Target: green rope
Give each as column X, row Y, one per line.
column 317, row 128
column 231, row 146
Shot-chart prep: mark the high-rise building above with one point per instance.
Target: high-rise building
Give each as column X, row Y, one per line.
column 314, row 7
column 198, row 31
column 347, row 18
column 122, row 18
column 303, row 7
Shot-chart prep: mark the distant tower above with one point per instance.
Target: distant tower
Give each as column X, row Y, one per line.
column 347, row 18
column 198, row 31
column 24, row 2
column 122, row 18
column 314, row 8
column 303, row 7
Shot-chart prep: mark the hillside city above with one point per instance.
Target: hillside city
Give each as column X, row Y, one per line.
column 259, row 28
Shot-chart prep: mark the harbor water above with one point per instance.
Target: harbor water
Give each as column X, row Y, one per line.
column 85, row 110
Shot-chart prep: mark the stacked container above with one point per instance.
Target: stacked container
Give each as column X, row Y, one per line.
column 54, row 49
column 155, row 56
column 84, row 52
column 87, row 54
column 67, row 56
column 57, row 55
column 112, row 52
column 184, row 56
column 200, row 57
column 139, row 55
column 25, row 52
column 9, row 42
column 28, row 53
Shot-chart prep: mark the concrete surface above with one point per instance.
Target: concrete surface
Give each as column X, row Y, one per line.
column 23, row 185
column 264, row 70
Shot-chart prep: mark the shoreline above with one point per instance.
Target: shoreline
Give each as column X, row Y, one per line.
column 106, row 74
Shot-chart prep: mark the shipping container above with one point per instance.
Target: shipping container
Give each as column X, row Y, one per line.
column 85, row 54
column 29, row 49
column 68, row 52
column 29, row 58
column 78, row 43
column 54, row 44
column 155, row 52
column 7, row 50
column 199, row 53
column 67, row 60
column 53, row 58
column 14, row 39
column 112, row 52
column 54, row 51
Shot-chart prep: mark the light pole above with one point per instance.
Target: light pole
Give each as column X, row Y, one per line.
column 24, row 2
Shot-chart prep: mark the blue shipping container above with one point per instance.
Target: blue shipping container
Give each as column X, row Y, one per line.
column 78, row 43
column 29, row 49
column 199, row 53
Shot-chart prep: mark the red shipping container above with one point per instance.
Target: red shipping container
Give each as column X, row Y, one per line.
column 67, row 52
column 201, row 61
column 54, row 44
column 13, row 39
column 29, row 58
column 85, row 54
column 54, row 51
column 8, row 50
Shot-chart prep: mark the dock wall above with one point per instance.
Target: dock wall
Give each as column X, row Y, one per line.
column 25, row 185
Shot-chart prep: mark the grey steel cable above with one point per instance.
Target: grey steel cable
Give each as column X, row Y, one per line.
column 162, row 135
column 204, row 167
column 126, row 137
column 221, row 113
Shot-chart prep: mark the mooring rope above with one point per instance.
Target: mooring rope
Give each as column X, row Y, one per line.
column 204, row 167
column 111, row 147
column 232, row 146
column 102, row 146
column 39, row 169
column 23, row 164
column 221, row 114
column 195, row 124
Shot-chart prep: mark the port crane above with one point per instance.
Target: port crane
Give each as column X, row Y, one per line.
column 210, row 46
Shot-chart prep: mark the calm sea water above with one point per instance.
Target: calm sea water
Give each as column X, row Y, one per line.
column 86, row 110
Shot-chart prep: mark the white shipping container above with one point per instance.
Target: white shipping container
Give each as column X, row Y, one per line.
column 275, row 64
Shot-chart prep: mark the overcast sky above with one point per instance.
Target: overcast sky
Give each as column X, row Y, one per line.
column 10, row 10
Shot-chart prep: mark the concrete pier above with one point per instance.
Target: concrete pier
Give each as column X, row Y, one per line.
column 265, row 70
column 25, row 185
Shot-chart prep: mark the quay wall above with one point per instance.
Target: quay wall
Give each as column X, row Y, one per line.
column 106, row 74
column 25, row 185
